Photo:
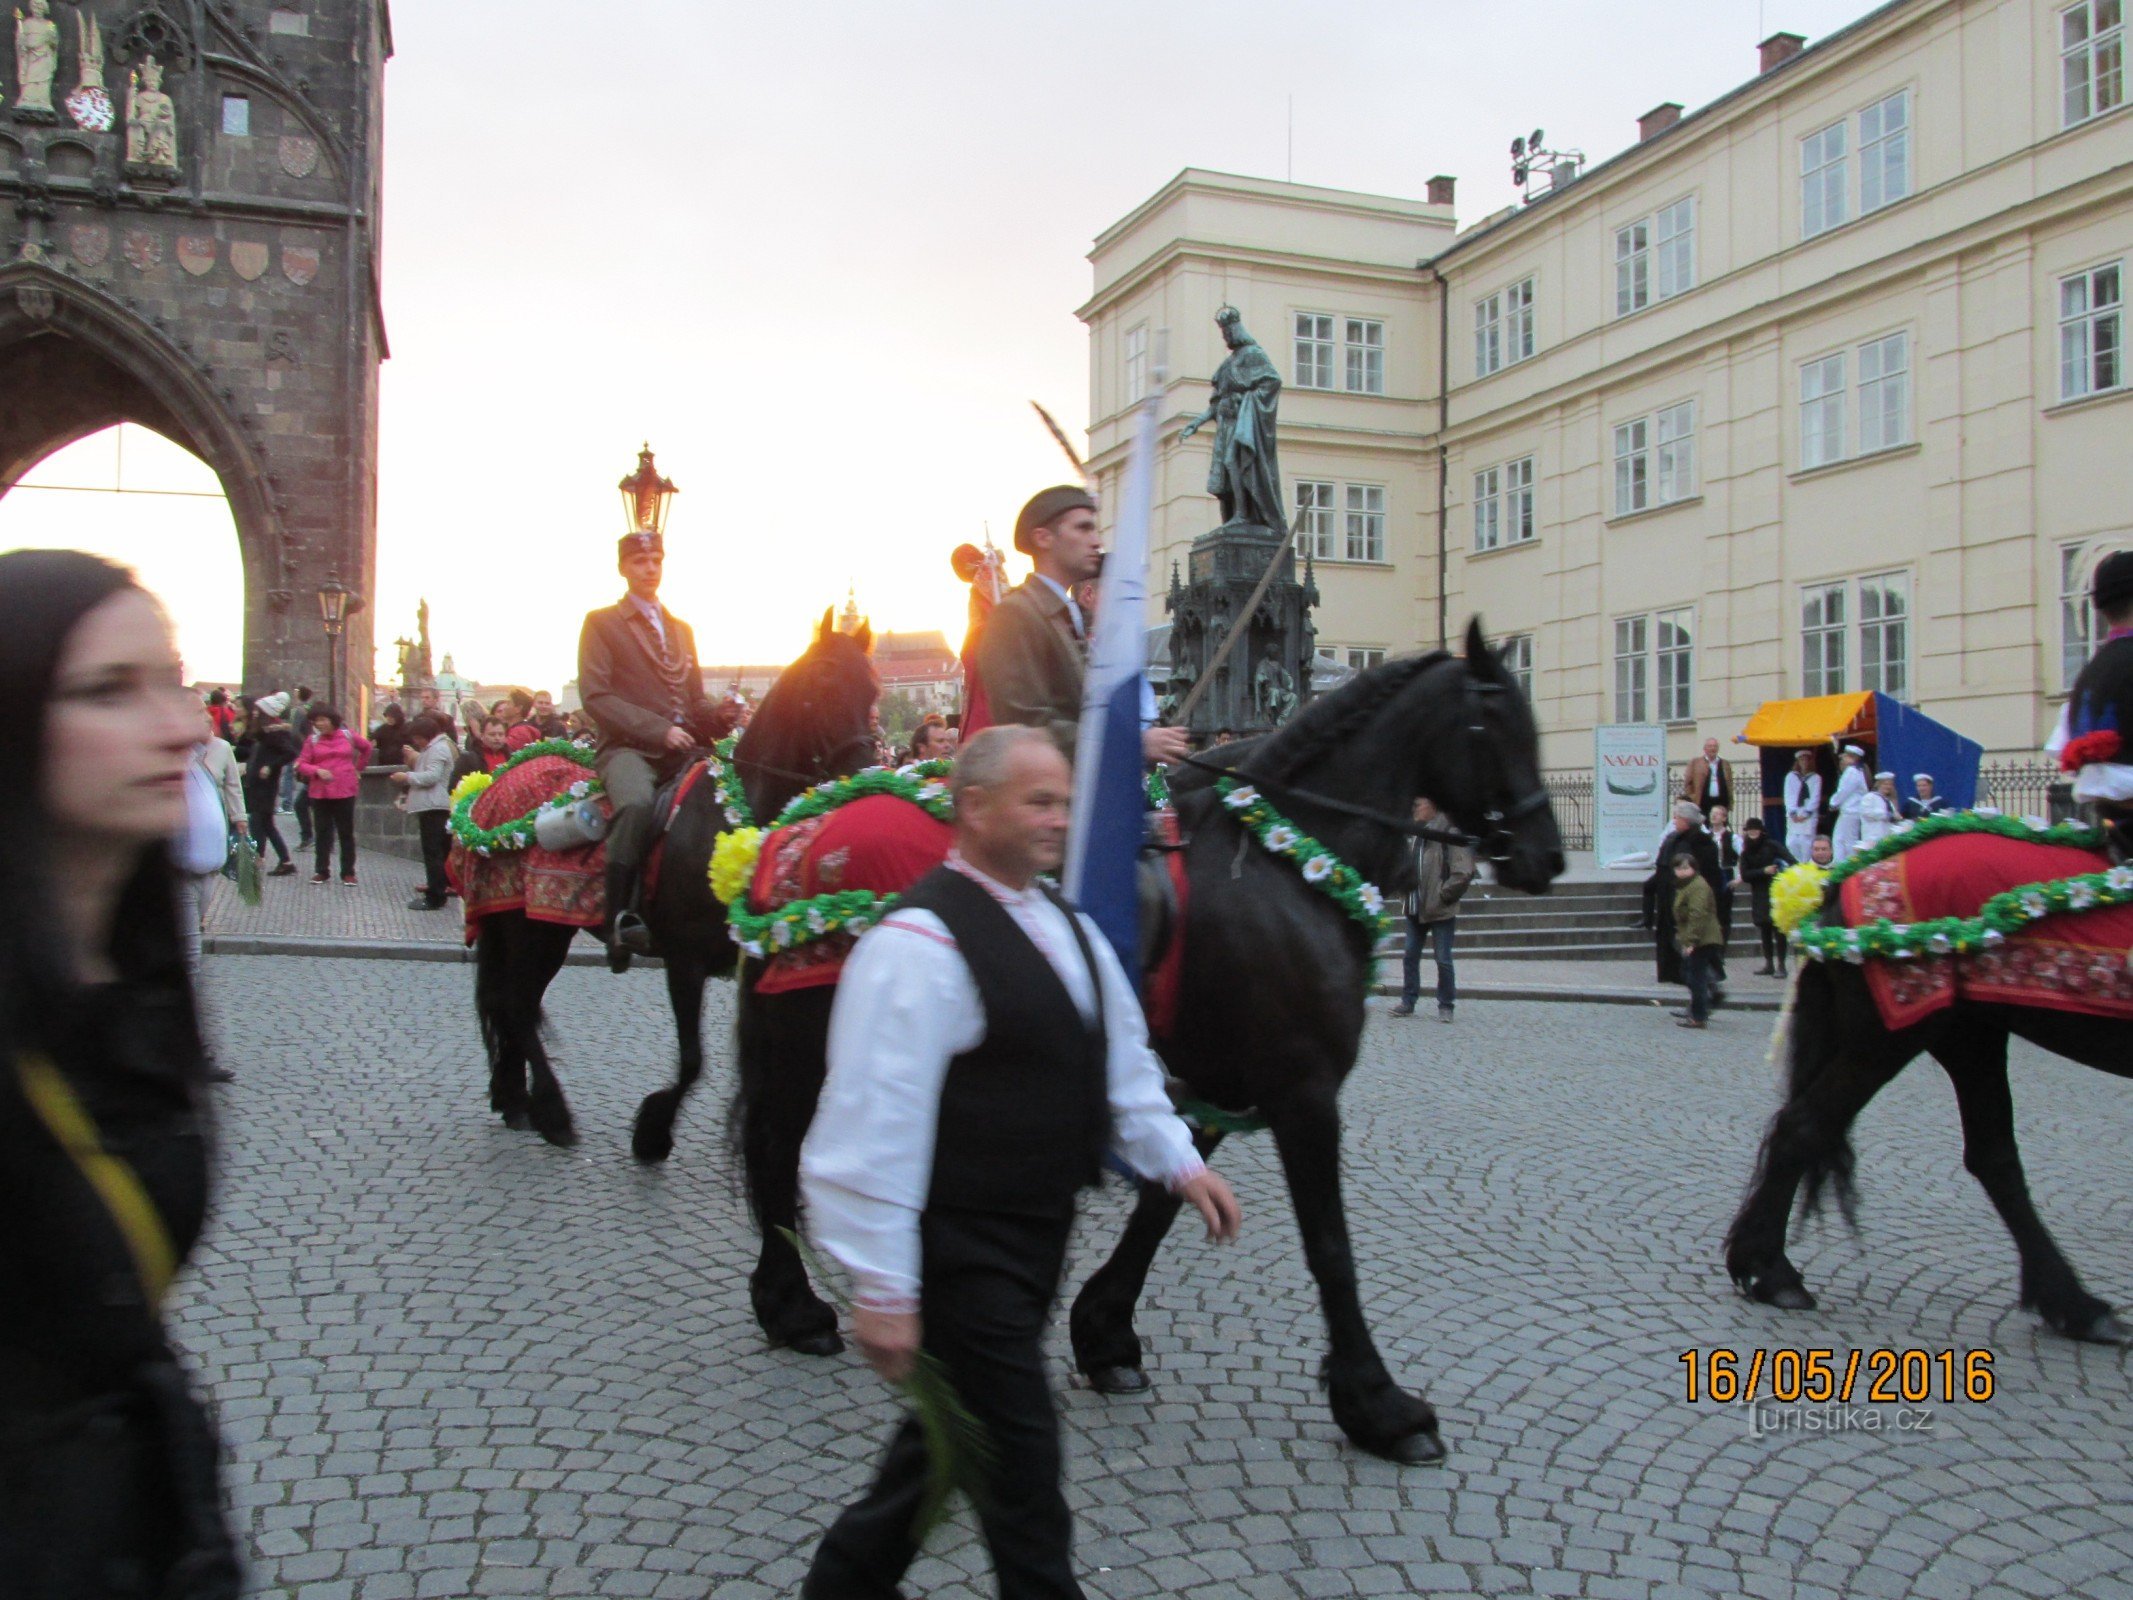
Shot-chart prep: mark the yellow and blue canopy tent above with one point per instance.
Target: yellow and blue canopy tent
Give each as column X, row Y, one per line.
column 1897, row 738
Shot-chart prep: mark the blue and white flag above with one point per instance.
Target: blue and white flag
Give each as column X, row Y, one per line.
column 1104, row 843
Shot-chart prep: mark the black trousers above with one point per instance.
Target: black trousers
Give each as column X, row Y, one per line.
column 987, row 1283
column 436, row 843
column 259, row 813
column 331, row 819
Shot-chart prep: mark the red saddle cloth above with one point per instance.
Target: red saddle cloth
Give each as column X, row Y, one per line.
column 882, row 844
column 563, row 886
column 2075, row 962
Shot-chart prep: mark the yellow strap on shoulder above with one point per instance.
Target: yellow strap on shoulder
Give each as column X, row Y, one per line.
column 155, row 1260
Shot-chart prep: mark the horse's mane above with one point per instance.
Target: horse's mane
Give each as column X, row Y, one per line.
column 1334, row 720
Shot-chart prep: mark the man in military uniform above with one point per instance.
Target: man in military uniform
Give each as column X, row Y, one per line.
column 1033, row 653
column 638, row 675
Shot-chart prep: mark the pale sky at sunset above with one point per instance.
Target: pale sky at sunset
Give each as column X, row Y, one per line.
column 822, row 256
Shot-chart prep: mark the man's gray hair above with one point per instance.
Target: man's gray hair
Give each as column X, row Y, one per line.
column 1685, row 811
column 983, row 762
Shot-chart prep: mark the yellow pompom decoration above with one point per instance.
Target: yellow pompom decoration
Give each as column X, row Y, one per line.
column 472, row 784
column 1796, row 894
column 733, row 863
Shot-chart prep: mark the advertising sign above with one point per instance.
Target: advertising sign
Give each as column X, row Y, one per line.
column 1630, row 802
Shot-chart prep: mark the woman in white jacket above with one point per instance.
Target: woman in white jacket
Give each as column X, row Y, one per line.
column 1880, row 811
column 1850, row 795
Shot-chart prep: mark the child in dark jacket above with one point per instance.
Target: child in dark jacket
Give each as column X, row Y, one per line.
column 1697, row 935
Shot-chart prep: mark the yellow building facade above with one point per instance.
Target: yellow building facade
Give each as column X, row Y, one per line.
column 1819, row 388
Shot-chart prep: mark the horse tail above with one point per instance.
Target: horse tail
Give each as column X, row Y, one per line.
column 747, row 1075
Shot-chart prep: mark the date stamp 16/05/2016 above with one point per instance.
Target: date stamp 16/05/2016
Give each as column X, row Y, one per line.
column 1837, row 1391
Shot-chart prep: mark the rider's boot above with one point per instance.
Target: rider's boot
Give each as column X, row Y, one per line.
column 626, row 933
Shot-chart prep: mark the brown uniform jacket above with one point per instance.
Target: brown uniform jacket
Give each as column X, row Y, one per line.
column 1031, row 664
column 1696, row 783
column 635, row 691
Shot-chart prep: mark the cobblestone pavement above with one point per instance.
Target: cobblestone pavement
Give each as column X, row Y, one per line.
column 454, row 1361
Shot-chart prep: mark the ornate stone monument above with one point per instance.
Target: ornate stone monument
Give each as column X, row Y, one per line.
column 151, row 125
column 1256, row 680
column 36, row 62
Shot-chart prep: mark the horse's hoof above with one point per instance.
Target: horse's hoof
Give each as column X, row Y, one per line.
column 1416, row 1450
column 560, row 1134
column 517, row 1121
column 649, row 1149
column 1118, row 1380
column 1788, row 1297
column 2103, row 1328
column 816, row 1344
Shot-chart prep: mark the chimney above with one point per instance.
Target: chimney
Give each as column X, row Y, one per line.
column 1780, row 48
column 1440, row 190
column 1657, row 120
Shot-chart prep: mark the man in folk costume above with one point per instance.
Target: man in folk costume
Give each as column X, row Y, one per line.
column 1849, row 801
column 985, row 1052
column 638, row 675
column 1033, row 654
column 1709, row 780
column 2097, row 720
column 1803, row 804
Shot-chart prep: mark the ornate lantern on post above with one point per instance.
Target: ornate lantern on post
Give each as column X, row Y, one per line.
column 335, row 600
column 646, row 497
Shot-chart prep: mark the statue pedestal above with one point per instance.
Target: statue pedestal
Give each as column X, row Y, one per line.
column 1267, row 674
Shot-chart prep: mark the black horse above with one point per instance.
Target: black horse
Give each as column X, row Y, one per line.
column 782, row 752
column 1271, row 1006
column 1841, row 1056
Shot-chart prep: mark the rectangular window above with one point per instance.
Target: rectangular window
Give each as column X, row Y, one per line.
column 2092, row 59
column 1516, row 654
column 1364, row 660
column 1676, row 661
column 1314, row 350
column 1488, row 508
column 1674, row 243
column 1488, row 335
column 1884, row 152
column 236, row 116
column 1366, row 356
column 1366, row 522
column 2077, row 617
column 1518, row 321
column 1822, row 640
column 1633, row 268
column 1632, row 669
column 1518, row 520
column 1136, row 363
column 1822, row 412
column 2091, row 327
column 1314, row 520
column 1676, row 431
column 1885, row 393
column 1633, row 465
column 1885, row 634
column 1822, row 181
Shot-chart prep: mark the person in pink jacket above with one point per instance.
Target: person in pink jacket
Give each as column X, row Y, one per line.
column 331, row 765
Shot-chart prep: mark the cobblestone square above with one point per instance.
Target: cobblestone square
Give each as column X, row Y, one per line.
column 452, row 1361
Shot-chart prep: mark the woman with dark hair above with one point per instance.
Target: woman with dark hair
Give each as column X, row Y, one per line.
column 272, row 746
column 331, row 765
column 107, row 1463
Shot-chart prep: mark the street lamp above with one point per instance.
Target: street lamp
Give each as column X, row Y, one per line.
column 646, row 497
column 333, row 601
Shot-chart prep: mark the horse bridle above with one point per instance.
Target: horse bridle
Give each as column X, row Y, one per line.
column 1495, row 843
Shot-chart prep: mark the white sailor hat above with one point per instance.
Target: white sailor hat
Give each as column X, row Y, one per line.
column 1854, row 750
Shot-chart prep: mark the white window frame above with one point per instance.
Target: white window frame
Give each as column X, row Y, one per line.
column 1317, row 503
column 1885, row 392
column 1633, row 266
column 1825, row 179
column 1515, row 651
column 1136, row 362
column 2080, row 630
column 1633, row 668
column 1655, row 459
column 1488, row 334
column 1885, row 152
column 1674, row 664
column 1488, row 509
column 1633, row 466
column 1503, row 328
column 1361, row 658
column 2092, row 60
column 1363, row 355
column 1674, row 248
column 1503, row 505
column 1315, row 349
column 1822, row 407
column 1363, row 522
column 1885, row 632
column 1824, row 638
column 2092, row 337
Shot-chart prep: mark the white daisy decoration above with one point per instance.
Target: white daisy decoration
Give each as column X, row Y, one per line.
column 1237, row 799
column 1280, row 836
column 1373, row 901
column 781, row 935
column 2035, row 906
column 2080, row 896
column 1318, row 869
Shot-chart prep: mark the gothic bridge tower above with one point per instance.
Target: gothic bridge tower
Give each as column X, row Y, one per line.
column 188, row 240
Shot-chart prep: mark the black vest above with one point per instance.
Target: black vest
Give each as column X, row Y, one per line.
column 1025, row 1115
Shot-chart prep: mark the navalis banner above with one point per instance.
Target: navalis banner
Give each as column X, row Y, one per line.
column 1630, row 802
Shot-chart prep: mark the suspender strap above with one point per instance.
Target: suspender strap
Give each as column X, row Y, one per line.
column 155, row 1260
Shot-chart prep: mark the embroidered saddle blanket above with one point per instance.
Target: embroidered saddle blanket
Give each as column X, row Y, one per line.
column 2075, row 962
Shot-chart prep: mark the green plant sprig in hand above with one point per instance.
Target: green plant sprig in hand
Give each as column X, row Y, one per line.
column 959, row 1452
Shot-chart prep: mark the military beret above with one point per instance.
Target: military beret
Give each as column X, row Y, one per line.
column 1048, row 506
column 2114, row 580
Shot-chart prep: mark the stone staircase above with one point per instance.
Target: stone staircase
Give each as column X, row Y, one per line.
column 1573, row 922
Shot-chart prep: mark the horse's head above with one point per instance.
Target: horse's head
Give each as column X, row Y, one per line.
column 815, row 723
column 1490, row 784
